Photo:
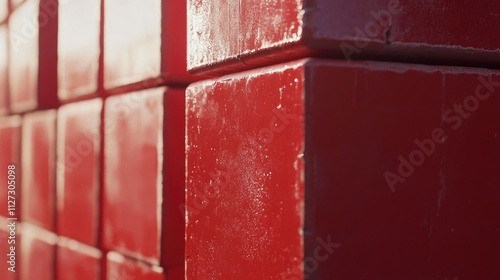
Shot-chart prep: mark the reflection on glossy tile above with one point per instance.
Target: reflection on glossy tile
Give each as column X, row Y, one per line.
column 4, row 58
column 23, row 64
column 36, row 254
column 38, row 168
column 78, row 170
column 133, row 157
column 78, row 48
column 132, row 41
column 118, row 267
column 3, row 9
column 245, row 139
column 224, row 36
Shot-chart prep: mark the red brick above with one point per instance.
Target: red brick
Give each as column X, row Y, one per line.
column 133, row 152
column 37, row 254
column 244, row 185
column 361, row 117
column 78, row 170
column 38, row 168
column 118, row 267
column 232, row 39
column 79, row 25
column 10, row 139
column 23, row 64
column 77, row 261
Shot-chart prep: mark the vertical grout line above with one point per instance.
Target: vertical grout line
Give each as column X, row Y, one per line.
column 163, row 183
column 101, row 93
column 54, row 191
column 100, row 72
column 55, row 171
column 56, row 140
column 100, row 220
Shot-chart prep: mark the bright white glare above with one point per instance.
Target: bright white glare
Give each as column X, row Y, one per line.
column 23, row 54
column 78, row 45
column 3, row 60
column 132, row 40
column 3, row 49
column 3, row 9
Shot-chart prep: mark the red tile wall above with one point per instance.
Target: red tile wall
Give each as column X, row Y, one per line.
column 77, row 261
column 373, row 156
column 92, row 118
column 347, row 139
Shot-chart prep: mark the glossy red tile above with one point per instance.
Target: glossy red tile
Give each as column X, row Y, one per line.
column 393, row 126
column 132, row 41
column 4, row 58
column 118, row 267
column 245, row 193
column 37, row 254
column 439, row 32
column 370, row 190
column 23, row 63
column 78, row 152
column 10, row 140
column 38, row 168
column 173, row 179
column 145, row 43
column 467, row 205
column 77, row 261
column 384, row 188
column 133, row 152
column 78, row 48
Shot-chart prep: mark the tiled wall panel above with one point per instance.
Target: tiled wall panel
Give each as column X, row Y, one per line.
column 349, row 139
